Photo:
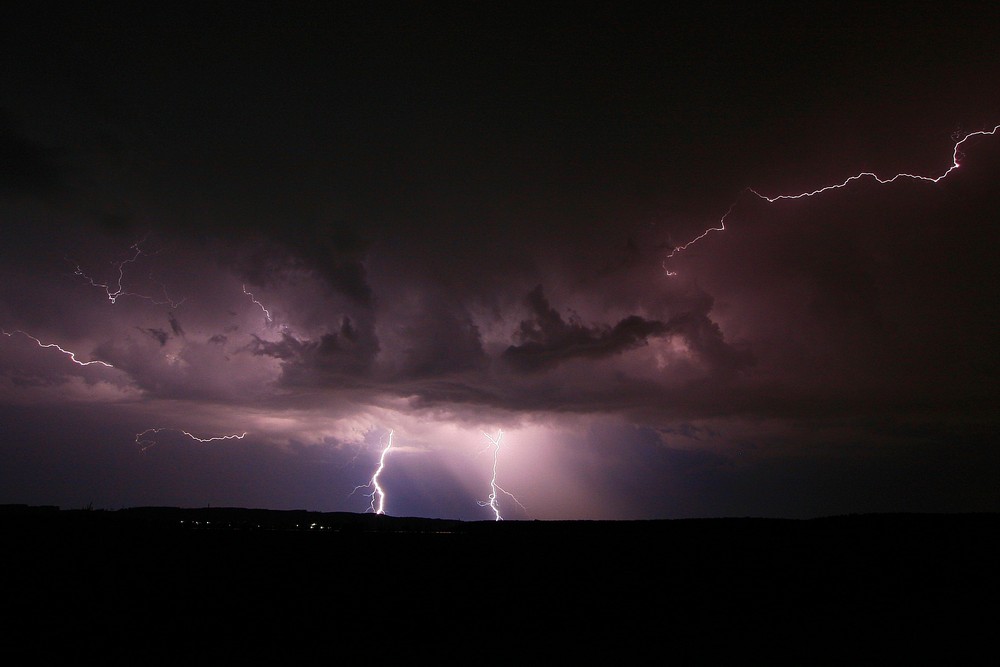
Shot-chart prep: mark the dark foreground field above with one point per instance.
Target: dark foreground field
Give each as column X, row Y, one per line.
column 226, row 586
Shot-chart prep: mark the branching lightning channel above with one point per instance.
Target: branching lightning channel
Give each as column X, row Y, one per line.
column 71, row 355
column 116, row 291
column 956, row 157
column 145, row 440
column 377, row 494
column 494, row 487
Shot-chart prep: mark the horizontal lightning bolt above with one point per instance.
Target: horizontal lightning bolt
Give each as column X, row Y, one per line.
column 956, row 156
column 117, row 291
column 71, row 355
column 145, row 441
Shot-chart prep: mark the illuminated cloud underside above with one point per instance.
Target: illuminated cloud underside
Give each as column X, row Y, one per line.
column 266, row 249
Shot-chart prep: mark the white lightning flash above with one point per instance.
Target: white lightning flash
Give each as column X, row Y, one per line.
column 267, row 313
column 378, row 493
column 116, row 291
column 494, row 487
column 956, row 156
column 71, row 355
column 145, row 439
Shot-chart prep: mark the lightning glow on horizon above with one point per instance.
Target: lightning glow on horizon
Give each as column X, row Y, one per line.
column 955, row 163
column 118, row 291
column 494, row 487
column 377, row 491
column 145, row 442
column 68, row 353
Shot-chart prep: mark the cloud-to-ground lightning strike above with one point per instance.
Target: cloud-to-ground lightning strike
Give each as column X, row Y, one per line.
column 117, row 291
column 145, row 441
column 267, row 313
column 494, row 487
column 378, row 493
column 956, row 156
column 71, row 355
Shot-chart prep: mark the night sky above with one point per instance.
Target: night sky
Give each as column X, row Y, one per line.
column 318, row 223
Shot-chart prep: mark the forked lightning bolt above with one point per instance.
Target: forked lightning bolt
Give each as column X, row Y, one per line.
column 378, row 493
column 71, row 355
column 494, row 487
column 956, row 156
column 115, row 292
column 145, row 441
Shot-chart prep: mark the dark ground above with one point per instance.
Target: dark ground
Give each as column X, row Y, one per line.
column 152, row 585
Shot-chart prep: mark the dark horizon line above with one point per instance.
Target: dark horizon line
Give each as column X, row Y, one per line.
column 7, row 509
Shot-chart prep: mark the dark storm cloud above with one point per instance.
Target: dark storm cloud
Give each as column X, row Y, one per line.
column 346, row 352
column 705, row 337
column 440, row 338
column 332, row 252
column 339, row 257
column 287, row 348
column 159, row 334
column 547, row 340
column 175, row 325
column 437, row 393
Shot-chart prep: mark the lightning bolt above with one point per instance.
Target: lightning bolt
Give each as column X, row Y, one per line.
column 494, row 487
column 115, row 292
column 267, row 313
column 145, row 441
column 956, row 157
column 71, row 355
column 378, row 493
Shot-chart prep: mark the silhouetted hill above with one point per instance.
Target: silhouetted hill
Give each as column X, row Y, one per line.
column 227, row 584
